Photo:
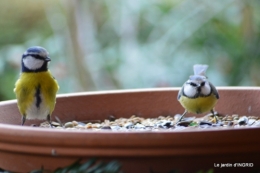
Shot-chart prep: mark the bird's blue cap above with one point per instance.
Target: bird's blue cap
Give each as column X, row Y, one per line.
column 197, row 78
column 37, row 50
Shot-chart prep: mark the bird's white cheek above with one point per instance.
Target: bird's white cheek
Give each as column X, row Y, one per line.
column 189, row 91
column 205, row 90
column 32, row 63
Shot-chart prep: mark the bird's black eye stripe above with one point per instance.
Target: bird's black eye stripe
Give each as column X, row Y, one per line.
column 192, row 84
column 37, row 56
column 34, row 55
column 202, row 84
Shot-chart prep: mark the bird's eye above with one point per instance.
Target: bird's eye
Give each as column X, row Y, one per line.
column 193, row 84
column 202, row 84
column 37, row 56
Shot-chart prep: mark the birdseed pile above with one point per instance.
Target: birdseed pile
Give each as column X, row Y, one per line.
column 135, row 123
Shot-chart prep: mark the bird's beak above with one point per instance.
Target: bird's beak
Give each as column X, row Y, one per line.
column 47, row 59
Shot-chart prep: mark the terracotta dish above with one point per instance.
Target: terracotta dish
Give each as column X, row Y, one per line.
column 26, row 148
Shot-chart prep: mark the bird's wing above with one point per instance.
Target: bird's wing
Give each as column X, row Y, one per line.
column 214, row 90
column 180, row 93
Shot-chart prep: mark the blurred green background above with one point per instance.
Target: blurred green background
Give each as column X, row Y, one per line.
column 110, row 44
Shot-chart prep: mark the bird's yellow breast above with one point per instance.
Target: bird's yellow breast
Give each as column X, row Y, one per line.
column 26, row 88
column 199, row 104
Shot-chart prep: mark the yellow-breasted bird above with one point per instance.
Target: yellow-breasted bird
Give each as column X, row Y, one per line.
column 36, row 88
column 197, row 94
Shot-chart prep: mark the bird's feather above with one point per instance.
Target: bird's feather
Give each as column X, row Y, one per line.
column 200, row 69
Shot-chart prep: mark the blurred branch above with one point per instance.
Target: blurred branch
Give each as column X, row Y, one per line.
column 79, row 49
column 247, row 22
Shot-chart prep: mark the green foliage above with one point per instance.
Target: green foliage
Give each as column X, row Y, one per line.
column 91, row 166
column 209, row 171
column 106, row 44
column 193, row 123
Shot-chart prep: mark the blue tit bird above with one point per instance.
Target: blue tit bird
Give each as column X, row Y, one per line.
column 36, row 88
column 197, row 94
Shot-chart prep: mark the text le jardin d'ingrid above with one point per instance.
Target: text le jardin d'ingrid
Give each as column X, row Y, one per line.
column 229, row 165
